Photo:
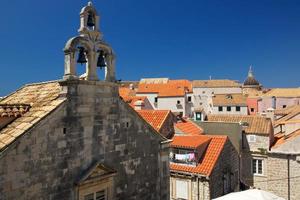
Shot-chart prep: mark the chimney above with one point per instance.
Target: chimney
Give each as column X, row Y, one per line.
column 270, row 114
column 139, row 105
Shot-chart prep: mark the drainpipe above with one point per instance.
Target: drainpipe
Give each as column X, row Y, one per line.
column 288, row 171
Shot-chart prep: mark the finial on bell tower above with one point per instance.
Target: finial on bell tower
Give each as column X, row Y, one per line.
column 90, row 48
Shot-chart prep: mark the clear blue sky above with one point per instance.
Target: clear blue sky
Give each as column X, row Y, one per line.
column 158, row 38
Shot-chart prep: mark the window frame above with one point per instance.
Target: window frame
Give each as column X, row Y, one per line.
column 228, row 108
column 256, row 164
column 220, row 108
column 238, row 108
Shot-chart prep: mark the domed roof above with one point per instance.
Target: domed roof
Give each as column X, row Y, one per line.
column 250, row 80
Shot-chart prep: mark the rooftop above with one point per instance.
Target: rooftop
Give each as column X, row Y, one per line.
column 283, row 92
column 287, row 143
column 42, row 98
column 255, row 124
column 215, row 83
column 229, row 100
column 155, row 118
column 188, row 127
column 210, row 157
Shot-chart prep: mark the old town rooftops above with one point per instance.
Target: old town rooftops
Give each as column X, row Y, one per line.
column 210, row 155
column 283, row 92
column 221, row 83
column 42, row 98
column 155, row 118
column 254, row 124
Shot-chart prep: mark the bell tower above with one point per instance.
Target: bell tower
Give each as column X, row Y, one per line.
column 88, row 48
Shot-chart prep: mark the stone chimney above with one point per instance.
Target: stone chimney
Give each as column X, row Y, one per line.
column 139, row 105
column 270, row 114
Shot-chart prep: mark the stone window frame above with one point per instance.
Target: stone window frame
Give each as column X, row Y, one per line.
column 238, row 108
column 256, row 173
column 220, row 108
column 228, row 108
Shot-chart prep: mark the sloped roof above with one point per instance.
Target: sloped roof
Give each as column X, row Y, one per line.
column 287, row 110
column 125, row 92
column 170, row 89
column 132, row 99
column 42, row 98
column 283, row 92
column 155, row 118
column 256, row 124
column 190, row 141
column 229, row 100
column 215, row 83
column 292, row 112
column 210, row 158
column 287, row 143
column 188, row 127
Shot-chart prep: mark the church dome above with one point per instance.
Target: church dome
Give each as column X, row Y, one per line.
column 250, row 80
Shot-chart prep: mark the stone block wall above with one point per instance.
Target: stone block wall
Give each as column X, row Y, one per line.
column 92, row 125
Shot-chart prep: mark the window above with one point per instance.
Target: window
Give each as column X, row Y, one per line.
column 100, row 195
column 251, row 138
column 178, row 102
column 283, row 106
column 220, row 108
column 252, row 109
column 189, row 99
column 155, row 100
column 257, row 166
column 181, row 189
column 228, row 108
column 198, row 115
column 237, row 108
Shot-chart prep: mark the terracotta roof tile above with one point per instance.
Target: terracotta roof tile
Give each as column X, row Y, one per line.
column 125, row 92
column 190, row 142
column 155, row 118
column 256, row 124
column 188, row 127
column 42, row 98
column 169, row 89
column 281, row 138
column 229, row 100
column 215, row 83
column 290, row 113
column 211, row 155
column 132, row 99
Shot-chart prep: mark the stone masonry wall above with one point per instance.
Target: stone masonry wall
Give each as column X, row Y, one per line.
column 92, row 125
column 228, row 162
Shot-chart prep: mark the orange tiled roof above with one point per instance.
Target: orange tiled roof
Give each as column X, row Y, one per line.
column 211, row 155
column 286, row 111
column 125, row 92
column 169, row 89
column 256, row 124
column 42, row 98
column 132, row 99
column 190, row 141
column 13, row 110
column 229, row 100
column 215, row 83
column 291, row 113
column 188, row 127
column 155, row 118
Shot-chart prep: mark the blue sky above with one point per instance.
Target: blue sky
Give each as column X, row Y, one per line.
column 189, row 39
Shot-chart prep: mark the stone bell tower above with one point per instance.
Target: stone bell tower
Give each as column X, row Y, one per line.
column 89, row 49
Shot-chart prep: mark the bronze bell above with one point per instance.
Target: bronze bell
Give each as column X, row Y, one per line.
column 81, row 57
column 90, row 20
column 101, row 60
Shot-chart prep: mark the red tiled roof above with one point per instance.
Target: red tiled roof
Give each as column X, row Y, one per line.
column 190, row 142
column 155, row 118
column 125, row 92
column 188, row 127
column 211, row 155
column 132, row 99
column 169, row 89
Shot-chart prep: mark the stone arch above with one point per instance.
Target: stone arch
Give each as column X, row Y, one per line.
column 85, row 11
column 70, row 58
column 110, row 61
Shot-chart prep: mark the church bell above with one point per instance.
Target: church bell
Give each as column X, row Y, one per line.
column 90, row 20
column 101, row 60
column 81, row 57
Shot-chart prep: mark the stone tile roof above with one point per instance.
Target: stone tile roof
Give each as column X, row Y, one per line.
column 287, row 143
column 210, row 157
column 172, row 88
column 42, row 98
column 215, row 83
column 188, row 127
column 256, row 124
column 283, row 92
column 155, row 118
column 291, row 113
column 229, row 100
